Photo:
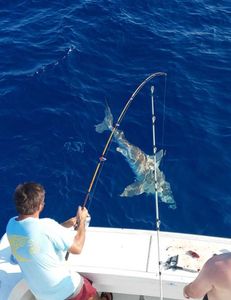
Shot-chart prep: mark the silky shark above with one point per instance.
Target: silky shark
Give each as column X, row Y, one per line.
column 143, row 165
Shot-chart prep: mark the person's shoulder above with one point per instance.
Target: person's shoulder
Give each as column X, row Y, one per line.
column 217, row 261
column 222, row 259
column 12, row 219
column 49, row 223
column 10, row 222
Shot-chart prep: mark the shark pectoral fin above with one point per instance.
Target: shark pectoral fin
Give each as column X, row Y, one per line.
column 133, row 189
column 166, row 195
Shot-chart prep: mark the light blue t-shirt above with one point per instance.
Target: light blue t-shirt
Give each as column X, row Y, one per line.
column 39, row 245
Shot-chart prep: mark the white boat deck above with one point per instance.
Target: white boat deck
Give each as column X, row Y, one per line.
column 125, row 262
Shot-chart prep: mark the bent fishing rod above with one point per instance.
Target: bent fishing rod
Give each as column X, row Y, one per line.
column 102, row 158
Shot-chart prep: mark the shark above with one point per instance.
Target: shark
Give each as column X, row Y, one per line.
column 143, row 165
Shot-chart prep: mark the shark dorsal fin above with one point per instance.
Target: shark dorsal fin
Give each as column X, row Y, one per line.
column 159, row 156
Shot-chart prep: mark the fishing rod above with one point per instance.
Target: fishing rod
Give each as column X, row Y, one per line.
column 156, row 191
column 102, row 158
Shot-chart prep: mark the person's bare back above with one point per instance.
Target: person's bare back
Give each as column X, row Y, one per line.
column 214, row 280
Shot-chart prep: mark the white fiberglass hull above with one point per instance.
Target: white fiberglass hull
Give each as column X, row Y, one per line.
column 125, row 262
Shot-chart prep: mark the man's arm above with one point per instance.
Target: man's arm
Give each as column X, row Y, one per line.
column 69, row 223
column 79, row 238
column 201, row 285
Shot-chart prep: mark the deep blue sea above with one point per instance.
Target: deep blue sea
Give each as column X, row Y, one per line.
column 61, row 61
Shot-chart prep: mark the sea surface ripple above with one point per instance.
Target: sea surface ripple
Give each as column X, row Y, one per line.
column 60, row 61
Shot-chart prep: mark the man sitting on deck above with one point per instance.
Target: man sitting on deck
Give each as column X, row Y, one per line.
column 213, row 281
column 39, row 246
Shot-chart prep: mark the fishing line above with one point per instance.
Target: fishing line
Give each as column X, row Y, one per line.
column 164, row 112
column 156, row 191
column 102, row 158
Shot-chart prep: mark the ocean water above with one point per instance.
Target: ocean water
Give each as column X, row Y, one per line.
column 61, row 61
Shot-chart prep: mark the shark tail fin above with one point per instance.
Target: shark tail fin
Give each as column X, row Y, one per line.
column 107, row 122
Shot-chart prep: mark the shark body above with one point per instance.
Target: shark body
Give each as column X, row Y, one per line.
column 143, row 165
